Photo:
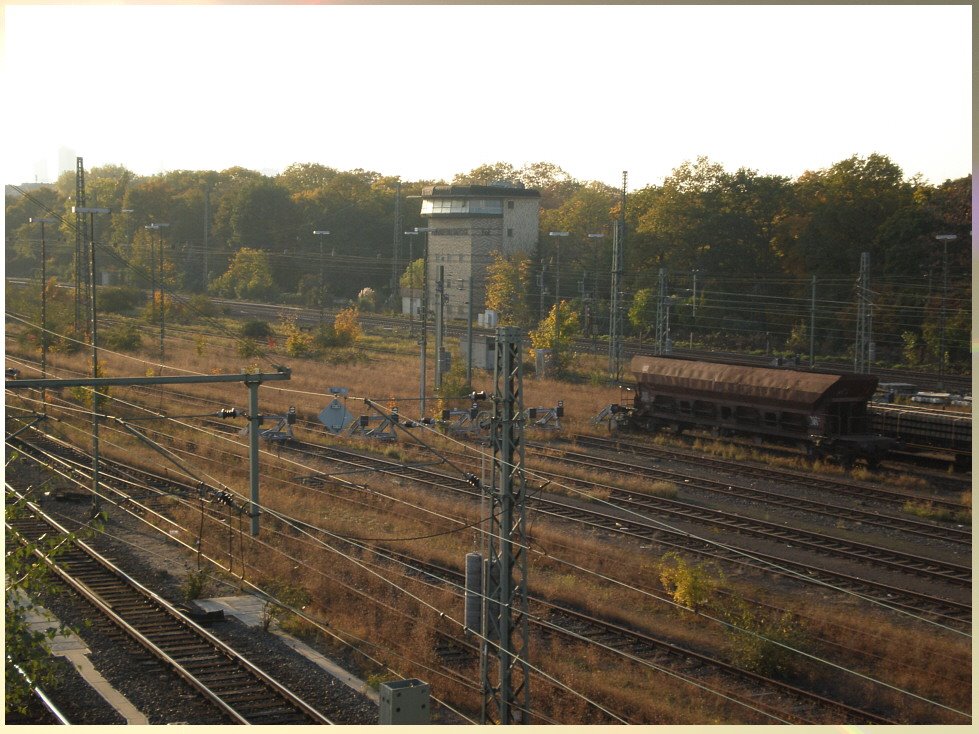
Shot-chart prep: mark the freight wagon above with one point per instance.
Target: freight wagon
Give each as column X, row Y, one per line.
column 941, row 431
column 825, row 413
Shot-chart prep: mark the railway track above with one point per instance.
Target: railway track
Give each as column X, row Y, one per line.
column 947, row 610
column 858, row 490
column 239, row 691
column 769, row 696
column 872, row 519
column 648, row 529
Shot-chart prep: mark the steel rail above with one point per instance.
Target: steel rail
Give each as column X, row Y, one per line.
column 107, row 581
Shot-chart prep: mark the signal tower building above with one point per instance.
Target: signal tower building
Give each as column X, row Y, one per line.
column 467, row 224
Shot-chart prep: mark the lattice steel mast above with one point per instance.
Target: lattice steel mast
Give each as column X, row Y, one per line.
column 506, row 695
column 615, row 302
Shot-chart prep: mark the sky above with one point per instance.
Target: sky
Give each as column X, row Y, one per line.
column 430, row 91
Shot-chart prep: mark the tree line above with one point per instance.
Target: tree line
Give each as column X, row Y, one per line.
column 737, row 259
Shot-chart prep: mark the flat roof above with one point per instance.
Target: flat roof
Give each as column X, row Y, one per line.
column 473, row 190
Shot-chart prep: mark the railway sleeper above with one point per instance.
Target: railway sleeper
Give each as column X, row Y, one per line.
column 242, row 697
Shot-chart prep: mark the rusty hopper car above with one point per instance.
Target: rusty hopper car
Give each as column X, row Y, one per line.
column 823, row 412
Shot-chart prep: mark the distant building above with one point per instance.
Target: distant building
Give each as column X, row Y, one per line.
column 468, row 224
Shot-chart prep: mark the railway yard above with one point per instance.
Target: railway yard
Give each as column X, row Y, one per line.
column 673, row 579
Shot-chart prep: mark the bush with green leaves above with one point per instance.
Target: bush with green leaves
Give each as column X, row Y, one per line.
column 27, row 649
column 256, row 330
column 691, row 585
column 120, row 299
column 122, row 337
column 763, row 640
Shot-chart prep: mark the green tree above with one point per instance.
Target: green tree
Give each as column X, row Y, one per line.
column 414, row 275
column 27, row 576
column 508, row 288
column 557, row 332
column 486, row 174
column 642, row 312
column 249, row 276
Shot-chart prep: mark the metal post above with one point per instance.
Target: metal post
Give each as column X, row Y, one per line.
column 96, row 502
column 812, row 326
column 469, row 330
column 396, row 243
column 254, row 421
column 861, row 345
column 321, row 296
column 944, row 239
column 163, row 303
column 615, row 304
column 44, row 304
column 79, row 239
column 411, row 286
column 424, row 339
column 439, row 321
column 662, row 315
column 556, row 342
column 505, row 621
column 207, row 226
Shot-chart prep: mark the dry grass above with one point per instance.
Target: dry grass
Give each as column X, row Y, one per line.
column 398, row 623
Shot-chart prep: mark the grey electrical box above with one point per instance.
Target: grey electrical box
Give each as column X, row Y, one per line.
column 404, row 702
column 484, row 354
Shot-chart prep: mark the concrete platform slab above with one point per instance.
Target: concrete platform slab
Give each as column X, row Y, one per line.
column 250, row 609
column 72, row 648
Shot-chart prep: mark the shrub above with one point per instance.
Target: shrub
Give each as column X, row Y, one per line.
column 283, row 595
column 259, row 330
column 761, row 640
column 367, row 299
column 346, row 326
column 249, row 348
column 690, row 585
column 194, row 584
column 119, row 299
column 122, row 338
column 299, row 343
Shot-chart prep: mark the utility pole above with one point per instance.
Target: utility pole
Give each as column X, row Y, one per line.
column 79, row 239
column 556, row 345
column 662, row 315
column 944, row 239
column 96, row 500
column 505, row 624
column 439, row 322
column 469, row 330
column 862, row 345
column 396, row 244
column 44, row 303
column 321, row 296
column 159, row 227
column 615, row 302
column 812, row 326
column 541, row 291
column 411, row 282
column 424, row 339
column 207, row 227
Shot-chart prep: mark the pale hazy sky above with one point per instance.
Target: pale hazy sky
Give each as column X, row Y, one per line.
column 433, row 90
